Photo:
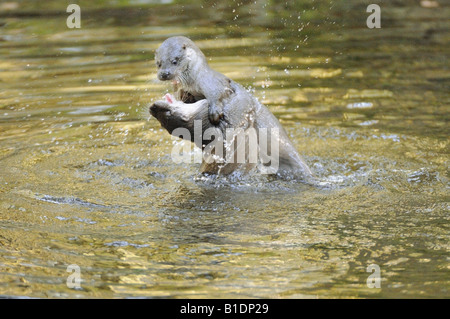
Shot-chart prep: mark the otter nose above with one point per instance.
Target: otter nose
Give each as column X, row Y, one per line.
column 164, row 75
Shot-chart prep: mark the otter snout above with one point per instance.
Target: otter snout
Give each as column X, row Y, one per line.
column 161, row 109
column 165, row 75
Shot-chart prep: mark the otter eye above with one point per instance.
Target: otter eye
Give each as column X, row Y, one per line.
column 158, row 64
column 175, row 61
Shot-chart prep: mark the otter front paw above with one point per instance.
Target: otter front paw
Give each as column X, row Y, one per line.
column 215, row 114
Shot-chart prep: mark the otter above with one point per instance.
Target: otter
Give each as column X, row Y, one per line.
column 198, row 87
column 180, row 60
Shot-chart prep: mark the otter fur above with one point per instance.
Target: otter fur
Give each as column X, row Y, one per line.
column 198, row 88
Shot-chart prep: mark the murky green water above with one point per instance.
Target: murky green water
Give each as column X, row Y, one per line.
column 86, row 176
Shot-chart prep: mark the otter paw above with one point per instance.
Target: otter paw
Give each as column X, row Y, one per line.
column 214, row 115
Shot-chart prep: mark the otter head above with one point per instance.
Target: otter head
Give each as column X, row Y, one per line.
column 175, row 57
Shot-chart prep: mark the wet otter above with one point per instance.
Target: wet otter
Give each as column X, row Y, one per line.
column 174, row 114
column 180, row 60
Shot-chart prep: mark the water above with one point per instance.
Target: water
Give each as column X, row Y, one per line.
column 87, row 179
